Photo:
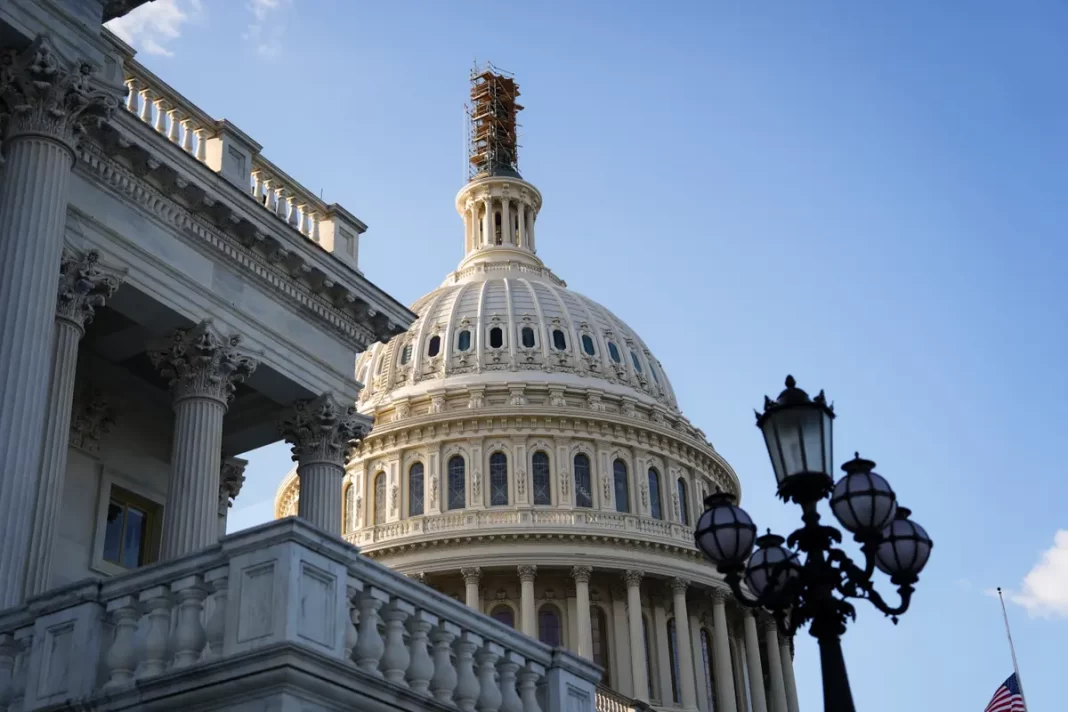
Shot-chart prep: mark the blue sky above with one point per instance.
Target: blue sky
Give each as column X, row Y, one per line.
column 867, row 195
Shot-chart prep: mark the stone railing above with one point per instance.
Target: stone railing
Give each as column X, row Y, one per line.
column 236, row 157
column 595, row 522
column 608, row 700
column 284, row 589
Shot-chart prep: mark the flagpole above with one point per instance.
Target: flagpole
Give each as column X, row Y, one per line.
column 1012, row 650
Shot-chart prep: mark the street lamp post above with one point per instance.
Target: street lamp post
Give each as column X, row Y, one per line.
column 798, row 434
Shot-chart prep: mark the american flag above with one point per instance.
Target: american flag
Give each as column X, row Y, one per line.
column 1007, row 698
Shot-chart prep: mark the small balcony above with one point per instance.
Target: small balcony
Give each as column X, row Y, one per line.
column 281, row 616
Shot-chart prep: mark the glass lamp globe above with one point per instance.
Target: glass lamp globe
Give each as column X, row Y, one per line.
column 863, row 501
column 798, row 434
column 904, row 549
column 725, row 533
column 771, row 567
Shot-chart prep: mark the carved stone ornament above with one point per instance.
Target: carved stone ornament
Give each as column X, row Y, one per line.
column 46, row 95
column 565, row 481
column 556, row 398
column 675, row 504
column 632, row 577
column 231, row 478
column 472, row 576
column 434, row 491
column 477, row 400
column 644, row 489
column 359, row 510
column 607, row 488
column 581, row 574
column 394, row 496
column 82, row 287
column 527, row 572
column 92, row 417
column 202, row 363
column 476, row 485
column 437, row 404
column 322, row 430
column 521, row 482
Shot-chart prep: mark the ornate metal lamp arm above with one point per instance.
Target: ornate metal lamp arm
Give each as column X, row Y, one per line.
column 857, row 583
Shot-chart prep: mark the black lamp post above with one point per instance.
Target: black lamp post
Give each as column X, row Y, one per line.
column 798, row 434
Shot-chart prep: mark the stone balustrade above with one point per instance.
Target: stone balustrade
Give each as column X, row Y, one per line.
column 154, row 638
column 608, row 700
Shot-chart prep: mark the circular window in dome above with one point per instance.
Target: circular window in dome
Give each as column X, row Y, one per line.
column 614, row 352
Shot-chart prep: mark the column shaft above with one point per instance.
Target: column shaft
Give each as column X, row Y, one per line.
column 756, row 672
column 190, row 518
column 684, row 648
column 53, row 456
column 582, row 575
column 487, row 223
column 472, row 577
column 777, row 699
column 528, row 621
column 788, row 676
column 663, row 660
column 506, row 223
column 638, row 664
column 724, row 681
column 33, row 209
column 320, row 495
column 521, row 235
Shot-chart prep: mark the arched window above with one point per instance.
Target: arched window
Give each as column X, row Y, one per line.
column 622, row 486
column 540, row 473
column 684, row 504
column 406, row 354
column 587, row 345
column 380, row 498
column 583, row 490
column 415, row 490
column 498, row 479
column 654, row 495
column 503, row 614
column 648, row 656
column 652, row 370
column 434, row 347
column 549, row 625
column 706, row 658
column 527, row 335
column 457, row 483
column 463, row 341
column 613, row 352
column 599, row 638
column 673, row 655
column 496, row 338
column 559, row 340
column 634, row 360
column 378, row 364
column 350, row 508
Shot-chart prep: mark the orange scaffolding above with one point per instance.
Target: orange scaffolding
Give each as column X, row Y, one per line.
column 494, row 137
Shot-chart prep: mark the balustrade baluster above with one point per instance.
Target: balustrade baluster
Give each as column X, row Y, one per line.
column 161, row 117
column 314, row 232
column 489, row 696
column 353, row 599
column 189, row 636
column 294, row 215
column 421, row 666
column 396, row 657
column 174, row 133
column 508, row 667
column 443, row 682
column 121, row 658
column 280, row 203
column 528, row 686
column 202, row 148
column 369, row 644
column 303, row 226
column 215, row 629
column 187, row 135
column 157, row 602
column 467, row 687
column 146, row 105
column 131, row 95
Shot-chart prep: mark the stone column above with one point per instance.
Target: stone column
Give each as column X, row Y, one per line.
column 530, row 231
column 472, row 578
column 82, row 288
column 231, row 477
column 203, row 367
column 638, row 665
column 487, row 223
column 582, row 574
column 756, row 671
column 788, row 675
column 684, row 645
column 521, row 235
column 701, row 674
column 777, row 696
column 322, row 432
column 506, row 222
column 46, row 102
column 724, row 681
column 527, row 619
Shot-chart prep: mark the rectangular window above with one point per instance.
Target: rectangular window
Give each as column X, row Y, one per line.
column 131, row 529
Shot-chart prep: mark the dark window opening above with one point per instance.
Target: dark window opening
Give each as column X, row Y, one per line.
column 613, row 352
column 415, row 490
column 587, row 345
column 406, row 354
column 457, row 483
column 434, row 347
column 622, row 487
column 463, row 343
column 527, row 335
column 496, row 338
column 540, row 472
column 634, row 360
column 583, row 489
column 558, row 340
column 498, row 479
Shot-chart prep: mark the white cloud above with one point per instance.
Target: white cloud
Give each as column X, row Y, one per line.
column 1044, row 590
column 266, row 30
column 154, row 25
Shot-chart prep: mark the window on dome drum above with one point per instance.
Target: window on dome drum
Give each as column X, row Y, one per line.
column 350, row 508
column 583, row 489
column 496, row 338
column 380, row 498
column 527, row 337
column 599, row 635
column 504, row 614
column 673, row 654
column 622, row 486
column 406, row 354
column 549, row 625
column 652, row 370
column 634, row 360
column 587, row 345
column 498, row 479
column 706, row 660
column 363, row 374
column 415, row 490
column 131, row 529
column 457, row 483
column 540, row 473
column 463, row 342
column 648, row 656
column 559, row 341
column 378, row 365
column 684, row 504
column 654, row 495
column 613, row 352
column 434, row 347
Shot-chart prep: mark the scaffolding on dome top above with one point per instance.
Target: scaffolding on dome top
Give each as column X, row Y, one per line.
column 493, row 147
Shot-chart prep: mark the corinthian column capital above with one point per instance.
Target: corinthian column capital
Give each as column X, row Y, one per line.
column 48, row 96
column 323, row 430
column 83, row 287
column 581, row 574
column 231, row 478
column 202, row 363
